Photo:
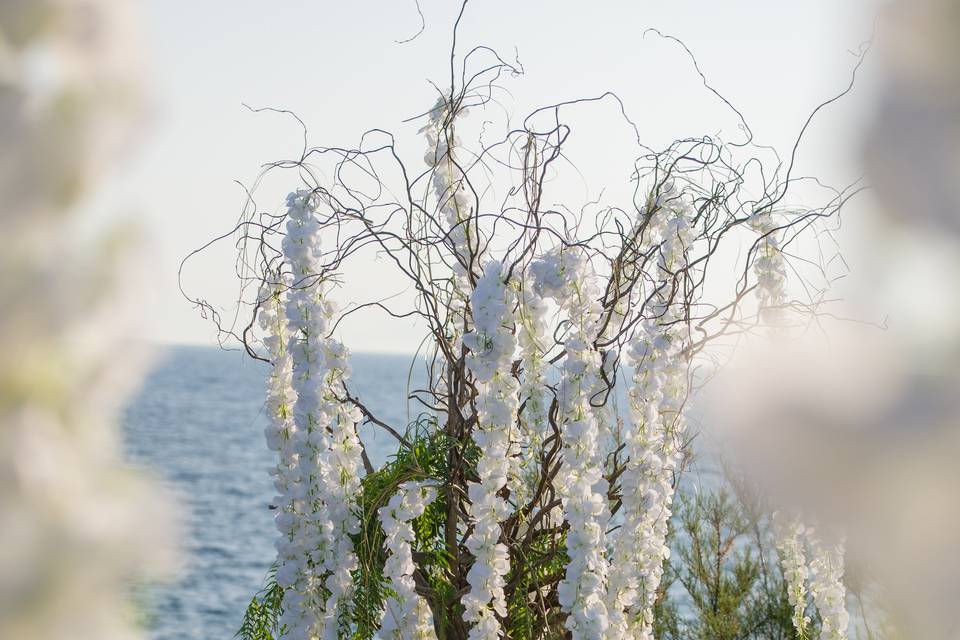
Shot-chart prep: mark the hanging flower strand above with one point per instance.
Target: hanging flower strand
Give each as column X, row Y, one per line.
column 642, row 441
column 346, row 460
column 654, row 433
column 407, row 616
column 492, row 344
column 317, row 598
column 293, row 512
column 769, row 268
column 789, row 541
column 827, row 588
column 566, row 277
column 450, row 192
column 532, row 340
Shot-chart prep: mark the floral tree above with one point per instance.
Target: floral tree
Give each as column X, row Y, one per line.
column 532, row 496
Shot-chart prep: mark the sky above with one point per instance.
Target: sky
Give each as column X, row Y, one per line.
column 338, row 65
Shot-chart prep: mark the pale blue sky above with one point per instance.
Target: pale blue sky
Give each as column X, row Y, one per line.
column 338, row 66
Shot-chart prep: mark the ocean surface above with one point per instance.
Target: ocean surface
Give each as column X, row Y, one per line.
column 197, row 423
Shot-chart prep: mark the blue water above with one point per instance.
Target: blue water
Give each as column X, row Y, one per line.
column 198, row 424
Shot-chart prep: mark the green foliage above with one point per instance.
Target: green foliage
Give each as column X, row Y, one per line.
column 426, row 458
column 261, row 620
column 723, row 582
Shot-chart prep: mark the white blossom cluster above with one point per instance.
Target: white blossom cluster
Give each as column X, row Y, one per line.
column 768, row 266
column 280, row 430
column 639, row 547
column 492, row 344
column 280, row 398
column 450, row 191
column 532, row 339
column 654, row 433
column 78, row 525
column 566, row 277
column 804, row 557
column 319, row 481
column 407, row 616
column 789, row 540
column 827, row 588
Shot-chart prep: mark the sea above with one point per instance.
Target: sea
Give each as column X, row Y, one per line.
column 197, row 424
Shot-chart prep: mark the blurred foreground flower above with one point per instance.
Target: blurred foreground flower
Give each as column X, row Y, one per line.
column 78, row 528
column 860, row 426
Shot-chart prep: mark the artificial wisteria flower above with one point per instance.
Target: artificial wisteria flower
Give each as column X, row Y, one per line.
column 532, row 339
column 407, row 615
column 653, row 435
column 315, row 553
column 768, row 267
column 450, row 191
column 280, row 434
column 566, row 276
column 280, row 399
column 789, row 540
column 827, row 588
column 492, row 344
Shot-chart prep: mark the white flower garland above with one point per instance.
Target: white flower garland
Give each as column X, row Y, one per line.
column 532, row 339
column 653, row 436
column 280, row 398
column 407, row 616
column 826, row 587
column 281, row 436
column 315, row 553
column 789, row 541
column 345, row 462
column 492, row 344
column 769, row 267
column 566, row 277
column 450, row 191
